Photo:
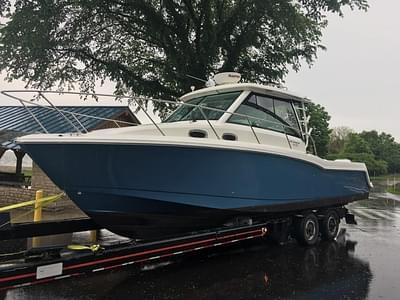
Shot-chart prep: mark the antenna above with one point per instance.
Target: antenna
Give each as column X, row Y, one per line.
column 196, row 78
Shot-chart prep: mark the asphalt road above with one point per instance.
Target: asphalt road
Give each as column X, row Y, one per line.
column 364, row 263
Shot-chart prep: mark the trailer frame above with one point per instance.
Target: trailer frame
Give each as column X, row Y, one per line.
column 42, row 265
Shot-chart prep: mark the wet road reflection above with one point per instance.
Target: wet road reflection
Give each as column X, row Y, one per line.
column 255, row 271
column 260, row 273
column 362, row 264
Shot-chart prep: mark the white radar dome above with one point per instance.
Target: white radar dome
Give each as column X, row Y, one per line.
column 226, row 78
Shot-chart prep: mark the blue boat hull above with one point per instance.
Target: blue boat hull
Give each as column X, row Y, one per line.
column 149, row 192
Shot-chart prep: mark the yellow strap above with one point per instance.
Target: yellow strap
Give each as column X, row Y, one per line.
column 42, row 201
column 93, row 248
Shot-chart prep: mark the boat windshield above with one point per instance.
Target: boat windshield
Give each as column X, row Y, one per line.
column 218, row 101
column 267, row 113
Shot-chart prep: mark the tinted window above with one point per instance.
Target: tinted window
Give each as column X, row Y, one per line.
column 285, row 111
column 261, row 117
column 270, row 113
column 266, row 102
column 183, row 110
column 218, row 101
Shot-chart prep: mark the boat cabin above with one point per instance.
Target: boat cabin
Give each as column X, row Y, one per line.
column 245, row 112
column 229, row 113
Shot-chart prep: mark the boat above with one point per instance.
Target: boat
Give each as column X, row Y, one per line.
column 230, row 151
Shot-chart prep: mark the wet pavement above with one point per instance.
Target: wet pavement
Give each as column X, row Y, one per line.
column 362, row 264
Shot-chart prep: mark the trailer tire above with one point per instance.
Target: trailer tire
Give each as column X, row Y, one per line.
column 330, row 226
column 307, row 230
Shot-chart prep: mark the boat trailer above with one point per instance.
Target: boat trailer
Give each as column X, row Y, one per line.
column 46, row 264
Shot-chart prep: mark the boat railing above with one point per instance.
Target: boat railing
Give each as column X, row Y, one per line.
column 141, row 104
column 28, row 104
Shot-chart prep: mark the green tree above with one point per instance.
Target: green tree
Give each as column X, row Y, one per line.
column 338, row 138
column 319, row 122
column 384, row 148
column 379, row 152
column 356, row 144
column 374, row 141
column 149, row 46
column 375, row 167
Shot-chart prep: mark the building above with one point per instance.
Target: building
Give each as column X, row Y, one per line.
column 18, row 120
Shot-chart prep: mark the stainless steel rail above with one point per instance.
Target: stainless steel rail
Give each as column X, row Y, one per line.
column 63, row 113
column 135, row 100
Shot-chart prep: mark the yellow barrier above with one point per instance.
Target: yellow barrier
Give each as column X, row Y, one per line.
column 40, row 202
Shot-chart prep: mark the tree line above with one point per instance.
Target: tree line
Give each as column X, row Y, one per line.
column 379, row 151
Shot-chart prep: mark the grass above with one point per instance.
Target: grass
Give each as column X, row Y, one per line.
column 11, row 169
column 386, row 177
column 28, row 172
column 393, row 190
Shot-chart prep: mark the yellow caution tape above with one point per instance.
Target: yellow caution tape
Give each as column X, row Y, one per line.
column 42, row 202
column 93, row 248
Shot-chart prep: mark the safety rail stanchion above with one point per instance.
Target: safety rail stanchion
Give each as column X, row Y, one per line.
column 208, row 121
column 252, row 130
column 148, row 116
column 60, row 112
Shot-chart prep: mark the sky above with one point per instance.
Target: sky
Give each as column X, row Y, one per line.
column 356, row 79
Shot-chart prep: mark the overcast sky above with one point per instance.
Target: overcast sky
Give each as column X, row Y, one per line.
column 357, row 78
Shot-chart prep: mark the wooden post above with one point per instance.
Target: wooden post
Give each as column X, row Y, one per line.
column 93, row 236
column 37, row 215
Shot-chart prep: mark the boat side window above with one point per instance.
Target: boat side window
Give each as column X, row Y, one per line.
column 183, row 110
column 266, row 103
column 257, row 117
column 281, row 108
column 285, row 111
column 261, row 113
column 218, row 101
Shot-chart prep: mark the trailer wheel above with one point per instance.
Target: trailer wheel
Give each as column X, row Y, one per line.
column 307, row 230
column 330, row 225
